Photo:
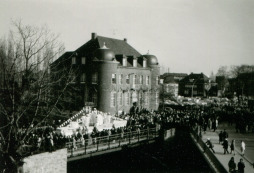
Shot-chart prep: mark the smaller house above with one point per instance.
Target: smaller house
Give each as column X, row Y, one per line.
column 194, row 85
column 170, row 82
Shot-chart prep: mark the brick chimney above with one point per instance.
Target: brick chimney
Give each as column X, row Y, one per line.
column 94, row 35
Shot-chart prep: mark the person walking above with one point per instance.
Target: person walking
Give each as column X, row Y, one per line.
column 242, row 148
column 241, row 166
column 210, row 145
column 225, row 146
column 232, row 147
column 232, row 165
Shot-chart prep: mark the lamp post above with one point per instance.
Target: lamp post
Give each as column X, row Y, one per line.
column 194, row 82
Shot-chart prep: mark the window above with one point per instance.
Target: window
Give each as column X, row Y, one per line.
column 147, row 80
column 83, row 60
column 157, row 80
column 121, row 79
column 113, row 80
column 141, row 99
column 94, row 98
column 73, row 60
column 113, row 99
column 127, row 98
column 124, row 62
column 146, row 98
column 141, row 79
column 128, row 79
column 134, row 79
column 72, row 78
column 144, row 63
column 134, row 62
column 95, row 78
column 120, row 98
column 83, row 78
column 157, row 98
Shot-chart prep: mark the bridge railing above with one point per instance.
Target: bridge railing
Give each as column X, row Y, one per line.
column 197, row 134
column 108, row 142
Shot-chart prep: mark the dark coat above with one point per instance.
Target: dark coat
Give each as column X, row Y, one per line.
column 241, row 167
column 225, row 144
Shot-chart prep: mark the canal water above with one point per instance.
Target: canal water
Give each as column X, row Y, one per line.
column 177, row 155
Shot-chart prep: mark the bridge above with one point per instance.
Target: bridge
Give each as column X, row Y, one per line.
column 106, row 144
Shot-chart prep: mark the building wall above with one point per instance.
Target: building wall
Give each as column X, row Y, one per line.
column 54, row 162
column 155, row 89
column 105, row 70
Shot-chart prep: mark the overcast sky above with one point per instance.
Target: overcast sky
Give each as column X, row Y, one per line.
column 185, row 35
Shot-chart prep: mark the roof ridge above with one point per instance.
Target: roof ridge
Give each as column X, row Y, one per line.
column 110, row 38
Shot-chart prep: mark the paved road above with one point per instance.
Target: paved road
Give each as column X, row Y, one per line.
column 248, row 138
column 224, row 159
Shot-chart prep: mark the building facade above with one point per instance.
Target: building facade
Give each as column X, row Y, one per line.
column 194, row 85
column 170, row 83
column 112, row 75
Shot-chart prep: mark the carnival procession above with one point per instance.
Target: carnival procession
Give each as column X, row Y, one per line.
column 126, row 86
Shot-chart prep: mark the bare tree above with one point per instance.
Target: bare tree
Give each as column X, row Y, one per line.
column 25, row 87
column 223, row 71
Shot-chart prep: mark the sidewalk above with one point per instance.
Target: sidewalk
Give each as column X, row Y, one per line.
column 224, row 158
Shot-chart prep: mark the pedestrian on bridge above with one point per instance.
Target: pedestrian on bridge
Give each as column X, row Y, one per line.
column 225, row 146
column 242, row 148
column 241, row 166
column 232, row 165
column 232, row 146
column 210, row 144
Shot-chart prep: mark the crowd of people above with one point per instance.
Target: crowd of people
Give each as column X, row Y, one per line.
column 204, row 118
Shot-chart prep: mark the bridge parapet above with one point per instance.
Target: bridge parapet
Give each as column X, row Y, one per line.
column 97, row 144
column 214, row 163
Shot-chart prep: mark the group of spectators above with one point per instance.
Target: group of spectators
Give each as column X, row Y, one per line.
column 203, row 118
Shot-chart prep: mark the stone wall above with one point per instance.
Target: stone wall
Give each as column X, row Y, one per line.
column 54, row 162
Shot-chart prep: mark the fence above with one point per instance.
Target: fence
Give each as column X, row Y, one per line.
column 197, row 135
column 96, row 144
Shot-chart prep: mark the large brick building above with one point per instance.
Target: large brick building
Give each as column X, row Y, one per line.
column 112, row 75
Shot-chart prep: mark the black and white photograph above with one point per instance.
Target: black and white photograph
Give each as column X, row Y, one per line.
column 126, row 86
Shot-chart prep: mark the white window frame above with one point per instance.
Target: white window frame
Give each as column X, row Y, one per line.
column 141, row 79
column 127, row 79
column 134, row 80
column 83, row 78
column 144, row 63
column 83, row 60
column 121, row 79
column 120, row 98
column 127, row 98
column 147, row 80
column 124, row 62
column 113, row 78
column 73, row 60
column 135, row 62
column 113, row 99
column 95, row 78
column 146, row 99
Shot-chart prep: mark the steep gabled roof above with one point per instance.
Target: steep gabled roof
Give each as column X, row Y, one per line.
column 62, row 58
column 200, row 77
column 118, row 46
